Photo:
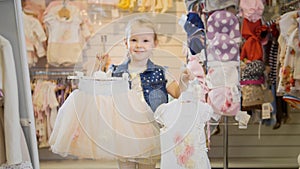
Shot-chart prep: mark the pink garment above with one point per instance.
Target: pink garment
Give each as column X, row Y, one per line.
column 224, row 100
column 197, row 69
column 252, row 10
column 253, row 82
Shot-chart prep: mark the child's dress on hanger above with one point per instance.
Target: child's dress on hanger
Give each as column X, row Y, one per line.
column 103, row 119
column 183, row 139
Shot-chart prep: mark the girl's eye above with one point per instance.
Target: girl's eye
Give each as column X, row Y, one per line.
column 133, row 40
column 146, row 40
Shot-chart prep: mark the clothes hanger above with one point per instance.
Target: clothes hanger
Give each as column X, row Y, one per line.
column 64, row 12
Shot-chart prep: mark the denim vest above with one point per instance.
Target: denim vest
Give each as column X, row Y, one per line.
column 153, row 82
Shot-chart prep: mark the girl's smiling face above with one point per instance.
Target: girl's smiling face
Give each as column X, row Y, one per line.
column 140, row 43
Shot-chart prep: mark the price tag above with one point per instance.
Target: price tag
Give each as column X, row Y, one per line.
column 242, row 126
column 243, row 118
column 266, row 111
column 235, row 94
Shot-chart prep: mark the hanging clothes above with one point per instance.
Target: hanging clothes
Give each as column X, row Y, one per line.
column 35, row 37
column 183, row 146
column 45, row 109
column 252, row 10
column 289, row 53
column 66, row 30
column 14, row 153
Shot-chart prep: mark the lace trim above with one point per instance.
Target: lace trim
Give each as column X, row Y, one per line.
column 23, row 165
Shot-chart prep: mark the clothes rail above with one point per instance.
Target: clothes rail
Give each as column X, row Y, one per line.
column 99, row 76
column 51, row 73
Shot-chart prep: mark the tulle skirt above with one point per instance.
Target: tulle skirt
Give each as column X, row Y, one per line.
column 105, row 120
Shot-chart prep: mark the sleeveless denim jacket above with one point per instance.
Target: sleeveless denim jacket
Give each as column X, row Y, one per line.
column 153, row 82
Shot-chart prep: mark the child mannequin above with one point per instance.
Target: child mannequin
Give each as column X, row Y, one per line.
column 147, row 78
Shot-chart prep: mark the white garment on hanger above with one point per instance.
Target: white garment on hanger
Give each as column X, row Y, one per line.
column 16, row 150
column 183, row 139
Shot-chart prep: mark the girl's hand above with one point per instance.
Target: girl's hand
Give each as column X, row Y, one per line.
column 102, row 61
column 185, row 76
column 101, row 57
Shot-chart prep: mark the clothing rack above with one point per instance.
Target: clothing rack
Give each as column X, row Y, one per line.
column 290, row 6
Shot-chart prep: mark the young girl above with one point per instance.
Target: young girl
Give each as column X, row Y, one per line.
column 145, row 77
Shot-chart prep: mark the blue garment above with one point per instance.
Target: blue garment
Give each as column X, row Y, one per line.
column 194, row 28
column 153, row 82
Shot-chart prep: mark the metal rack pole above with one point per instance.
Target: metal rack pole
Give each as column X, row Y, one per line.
column 225, row 143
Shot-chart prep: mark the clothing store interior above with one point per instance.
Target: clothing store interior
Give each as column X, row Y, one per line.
column 73, row 95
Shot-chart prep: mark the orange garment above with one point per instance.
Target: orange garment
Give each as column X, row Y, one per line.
column 252, row 32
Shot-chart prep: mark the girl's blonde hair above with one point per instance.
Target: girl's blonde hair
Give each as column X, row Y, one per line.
column 141, row 21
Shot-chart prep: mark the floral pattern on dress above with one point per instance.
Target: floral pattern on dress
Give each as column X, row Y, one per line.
column 184, row 150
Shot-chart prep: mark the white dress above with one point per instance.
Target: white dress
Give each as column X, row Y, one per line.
column 105, row 120
column 183, row 139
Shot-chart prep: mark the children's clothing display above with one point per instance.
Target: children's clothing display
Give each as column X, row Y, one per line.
column 223, row 22
column 45, row 110
column 289, row 54
column 103, row 119
column 183, row 144
column 65, row 32
column 194, row 28
column 35, row 37
column 223, row 62
column 195, row 66
column 253, row 33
